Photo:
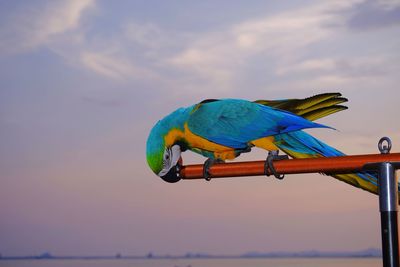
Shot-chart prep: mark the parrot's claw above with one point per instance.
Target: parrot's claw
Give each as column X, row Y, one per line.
column 269, row 165
column 207, row 165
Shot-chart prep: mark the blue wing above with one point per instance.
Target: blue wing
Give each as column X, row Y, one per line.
column 234, row 123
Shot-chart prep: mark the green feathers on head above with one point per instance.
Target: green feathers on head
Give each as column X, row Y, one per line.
column 155, row 148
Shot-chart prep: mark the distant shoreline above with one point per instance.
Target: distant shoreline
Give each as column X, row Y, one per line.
column 177, row 258
column 368, row 253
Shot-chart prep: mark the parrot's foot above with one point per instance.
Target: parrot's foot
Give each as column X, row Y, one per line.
column 269, row 165
column 207, row 165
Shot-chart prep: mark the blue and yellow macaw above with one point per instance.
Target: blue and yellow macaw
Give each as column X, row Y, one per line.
column 223, row 129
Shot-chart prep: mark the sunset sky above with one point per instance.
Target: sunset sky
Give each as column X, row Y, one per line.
column 83, row 81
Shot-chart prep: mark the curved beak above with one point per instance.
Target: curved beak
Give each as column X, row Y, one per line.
column 173, row 174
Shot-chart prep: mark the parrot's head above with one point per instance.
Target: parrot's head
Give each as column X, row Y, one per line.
column 162, row 157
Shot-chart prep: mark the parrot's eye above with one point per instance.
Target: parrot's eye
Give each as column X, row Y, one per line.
column 167, row 156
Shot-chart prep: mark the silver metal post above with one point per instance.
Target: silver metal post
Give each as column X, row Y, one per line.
column 388, row 197
column 388, row 206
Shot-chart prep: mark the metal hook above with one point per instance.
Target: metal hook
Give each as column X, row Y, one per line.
column 385, row 149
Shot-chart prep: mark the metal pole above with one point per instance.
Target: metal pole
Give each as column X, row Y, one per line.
column 388, row 199
column 344, row 164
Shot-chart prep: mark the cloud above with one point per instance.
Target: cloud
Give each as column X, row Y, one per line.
column 214, row 61
column 371, row 14
column 113, row 67
column 281, row 39
column 147, row 35
column 58, row 26
column 278, row 45
column 38, row 24
column 354, row 67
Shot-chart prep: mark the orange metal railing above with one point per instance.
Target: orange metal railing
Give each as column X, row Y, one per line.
column 343, row 164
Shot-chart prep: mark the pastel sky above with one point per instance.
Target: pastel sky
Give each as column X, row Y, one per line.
column 83, row 81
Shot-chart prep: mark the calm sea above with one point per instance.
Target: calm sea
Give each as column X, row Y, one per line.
column 286, row 262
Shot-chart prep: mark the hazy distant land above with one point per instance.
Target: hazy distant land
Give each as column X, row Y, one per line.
column 371, row 252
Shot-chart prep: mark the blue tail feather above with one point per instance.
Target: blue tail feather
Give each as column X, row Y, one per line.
column 299, row 144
